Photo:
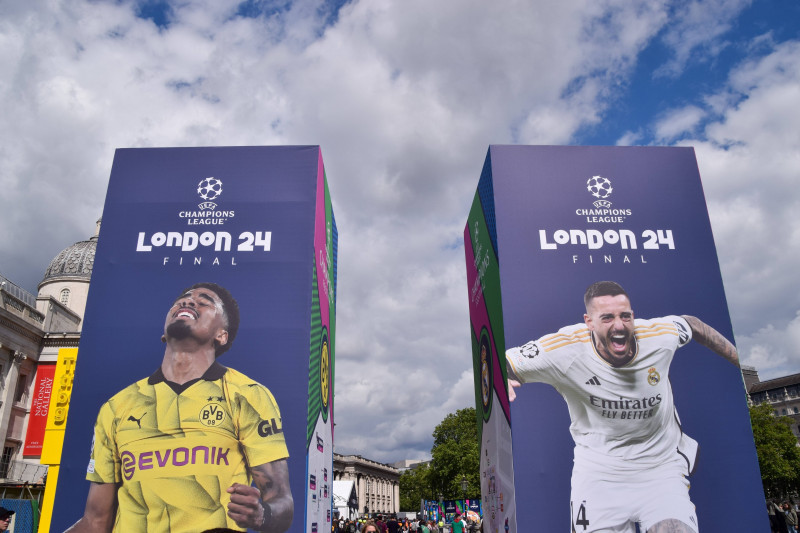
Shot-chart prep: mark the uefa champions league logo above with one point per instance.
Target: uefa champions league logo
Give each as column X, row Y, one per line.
column 209, row 189
column 601, row 188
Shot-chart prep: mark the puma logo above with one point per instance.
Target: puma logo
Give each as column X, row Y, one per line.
column 138, row 421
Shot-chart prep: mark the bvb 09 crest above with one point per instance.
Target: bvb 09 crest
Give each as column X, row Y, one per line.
column 324, row 372
column 486, row 373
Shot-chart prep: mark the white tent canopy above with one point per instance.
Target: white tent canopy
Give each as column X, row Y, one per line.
column 345, row 500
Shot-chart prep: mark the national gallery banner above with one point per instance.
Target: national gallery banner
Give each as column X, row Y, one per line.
column 219, row 265
column 594, row 283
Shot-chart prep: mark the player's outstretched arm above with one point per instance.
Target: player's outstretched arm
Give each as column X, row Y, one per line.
column 712, row 339
column 267, row 508
column 100, row 511
column 514, row 381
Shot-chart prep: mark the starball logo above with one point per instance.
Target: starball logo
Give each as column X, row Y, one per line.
column 209, row 189
column 600, row 187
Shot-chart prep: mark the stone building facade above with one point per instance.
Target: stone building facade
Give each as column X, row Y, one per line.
column 377, row 484
column 783, row 395
column 32, row 331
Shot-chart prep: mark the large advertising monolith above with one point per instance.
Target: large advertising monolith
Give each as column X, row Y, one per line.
column 203, row 394
column 595, row 289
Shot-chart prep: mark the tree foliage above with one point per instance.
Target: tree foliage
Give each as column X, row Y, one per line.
column 414, row 488
column 456, row 454
column 778, row 454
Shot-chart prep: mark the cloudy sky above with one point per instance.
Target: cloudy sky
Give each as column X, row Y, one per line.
column 404, row 96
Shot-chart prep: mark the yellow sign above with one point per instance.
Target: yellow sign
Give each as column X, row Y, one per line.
column 54, row 431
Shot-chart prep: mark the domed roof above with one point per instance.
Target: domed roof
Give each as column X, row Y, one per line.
column 75, row 262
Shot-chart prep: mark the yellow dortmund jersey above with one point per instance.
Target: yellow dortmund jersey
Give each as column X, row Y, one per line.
column 174, row 450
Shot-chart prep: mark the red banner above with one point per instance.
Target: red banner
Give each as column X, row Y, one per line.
column 39, row 407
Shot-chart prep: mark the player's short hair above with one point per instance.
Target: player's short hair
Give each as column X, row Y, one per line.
column 603, row 288
column 230, row 310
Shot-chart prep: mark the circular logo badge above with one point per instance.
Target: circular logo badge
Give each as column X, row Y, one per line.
column 324, row 373
column 599, row 187
column 212, row 415
column 128, row 464
column 485, row 355
column 209, row 188
column 653, row 377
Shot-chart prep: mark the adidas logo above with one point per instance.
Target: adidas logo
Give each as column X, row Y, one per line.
column 593, row 381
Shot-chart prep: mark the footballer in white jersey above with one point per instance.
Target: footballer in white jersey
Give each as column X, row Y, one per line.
column 631, row 456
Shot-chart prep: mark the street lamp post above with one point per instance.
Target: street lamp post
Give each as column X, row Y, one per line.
column 464, row 486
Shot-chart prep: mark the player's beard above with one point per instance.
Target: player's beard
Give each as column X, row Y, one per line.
column 179, row 330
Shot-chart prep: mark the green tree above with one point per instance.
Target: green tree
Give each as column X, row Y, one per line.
column 778, row 454
column 456, row 454
column 414, row 488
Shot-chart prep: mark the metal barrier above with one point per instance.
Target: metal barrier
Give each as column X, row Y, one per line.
column 17, row 292
column 22, row 472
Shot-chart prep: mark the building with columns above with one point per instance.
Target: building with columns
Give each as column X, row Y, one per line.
column 32, row 331
column 782, row 394
column 377, row 484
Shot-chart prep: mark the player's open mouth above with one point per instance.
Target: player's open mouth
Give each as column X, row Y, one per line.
column 186, row 313
column 619, row 343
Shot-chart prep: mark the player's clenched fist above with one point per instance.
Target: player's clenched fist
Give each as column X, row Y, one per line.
column 245, row 507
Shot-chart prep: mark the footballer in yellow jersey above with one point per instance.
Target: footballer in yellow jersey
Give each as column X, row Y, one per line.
column 631, row 457
column 180, row 450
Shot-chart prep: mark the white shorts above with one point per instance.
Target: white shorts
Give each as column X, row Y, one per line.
column 616, row 503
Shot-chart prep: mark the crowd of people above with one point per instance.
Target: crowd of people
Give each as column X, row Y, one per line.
column 783, row 517
column 393, row 524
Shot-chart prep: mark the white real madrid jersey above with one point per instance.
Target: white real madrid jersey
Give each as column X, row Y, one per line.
column 621, row 417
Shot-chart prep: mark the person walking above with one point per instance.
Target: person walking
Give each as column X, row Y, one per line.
column 791, row 517
column 458, row 525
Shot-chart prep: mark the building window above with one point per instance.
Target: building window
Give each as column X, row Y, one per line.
column 65, row 296
column 795, row 410
column 783, row 411
column 5, row 460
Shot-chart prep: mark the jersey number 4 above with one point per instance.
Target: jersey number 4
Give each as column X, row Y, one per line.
column 580, row 518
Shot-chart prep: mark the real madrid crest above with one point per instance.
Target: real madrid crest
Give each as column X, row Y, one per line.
column 485, row 390
column 653, row 377
column 486, row 379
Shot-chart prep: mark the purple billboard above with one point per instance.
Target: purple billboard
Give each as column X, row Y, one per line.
column 203, row 394
column 595, row 290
